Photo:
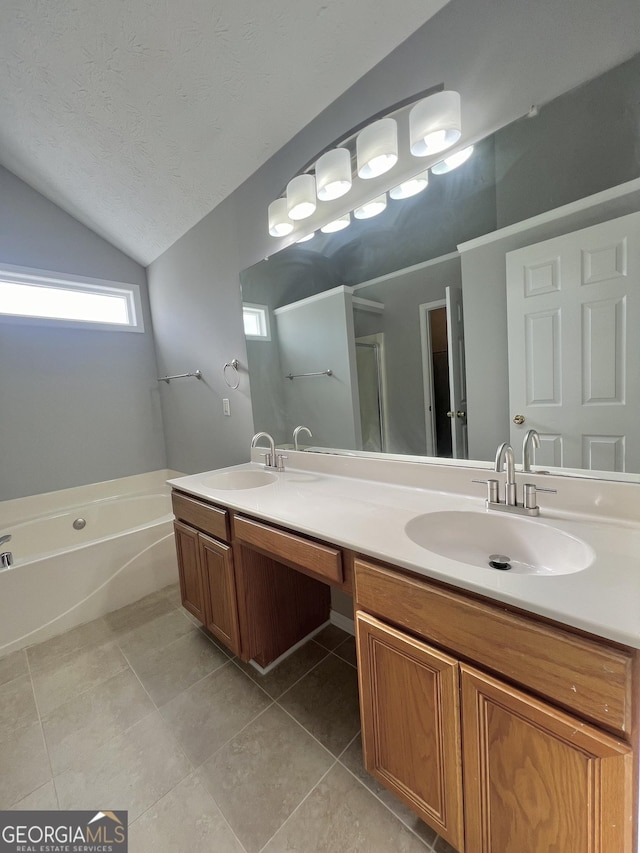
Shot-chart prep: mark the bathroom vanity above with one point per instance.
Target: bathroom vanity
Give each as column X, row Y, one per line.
column 500, row 707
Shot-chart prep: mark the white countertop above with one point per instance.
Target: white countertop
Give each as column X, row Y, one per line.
column 369, row 515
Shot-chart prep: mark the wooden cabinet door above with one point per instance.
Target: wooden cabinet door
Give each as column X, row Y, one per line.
column 221, row 606
column 189, row 570
column 537, row 780
column 409, row 700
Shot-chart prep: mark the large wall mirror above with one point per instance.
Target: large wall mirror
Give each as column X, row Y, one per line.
column 506, row 296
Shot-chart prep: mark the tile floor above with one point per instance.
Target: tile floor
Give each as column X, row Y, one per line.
column 142, row 710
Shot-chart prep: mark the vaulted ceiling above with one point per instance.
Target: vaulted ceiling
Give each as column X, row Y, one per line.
column 140, row 116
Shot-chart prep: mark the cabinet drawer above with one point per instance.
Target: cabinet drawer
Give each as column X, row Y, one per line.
column 587, row 677
column 296, row 551
column 209, row 519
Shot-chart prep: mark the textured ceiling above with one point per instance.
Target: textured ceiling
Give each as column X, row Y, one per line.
column 139, row 116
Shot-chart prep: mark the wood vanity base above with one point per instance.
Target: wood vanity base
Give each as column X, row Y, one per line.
column 277, row 606
column 505, row 732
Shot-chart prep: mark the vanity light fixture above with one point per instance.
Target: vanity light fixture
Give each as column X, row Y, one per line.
column 411, row 187
column 337, row 224
column 301, row 197
column 371, row 208
column 377, row 148
column 452, row 162
column 355, row 165
column 279, row 223
column 435, row 123
column 307, row 237
column 333, row 174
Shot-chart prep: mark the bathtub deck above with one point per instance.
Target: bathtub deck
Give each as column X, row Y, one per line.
column 141, row 710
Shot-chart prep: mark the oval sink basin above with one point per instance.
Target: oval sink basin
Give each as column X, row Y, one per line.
column 532, row 547
column 239, row 480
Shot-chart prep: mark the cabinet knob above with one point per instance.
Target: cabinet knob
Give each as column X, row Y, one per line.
column 519, row 419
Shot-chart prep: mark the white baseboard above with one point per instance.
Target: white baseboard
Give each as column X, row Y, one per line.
column 336, row 619
column 343, row 622
column 263, row 670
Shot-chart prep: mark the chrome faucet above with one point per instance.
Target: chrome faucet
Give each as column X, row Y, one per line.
column 272, row 459
column 297, row 432
column 531, row 440
column 505, row 460
column 6, row 557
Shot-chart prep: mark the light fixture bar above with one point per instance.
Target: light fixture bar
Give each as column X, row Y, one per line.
column 347, row 140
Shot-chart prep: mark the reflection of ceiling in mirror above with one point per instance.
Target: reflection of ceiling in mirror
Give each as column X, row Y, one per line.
column 529, row 167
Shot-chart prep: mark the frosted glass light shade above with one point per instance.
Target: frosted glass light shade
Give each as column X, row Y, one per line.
column 411, row 187
column 371, row 208
column 452, row 162
column 435, row 124
column 377, row 148
column 279, row 223
column 337, row 224
column 301, row 197
column 333, row 174
column 307, row 237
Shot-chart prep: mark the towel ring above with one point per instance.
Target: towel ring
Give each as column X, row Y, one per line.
column 233, row 364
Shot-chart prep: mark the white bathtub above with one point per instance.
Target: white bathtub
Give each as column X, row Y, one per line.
column 62, row 577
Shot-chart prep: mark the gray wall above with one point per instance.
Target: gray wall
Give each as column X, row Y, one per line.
column 77, row 406
column 581, row 143
column 197, row 322
column 502, row 56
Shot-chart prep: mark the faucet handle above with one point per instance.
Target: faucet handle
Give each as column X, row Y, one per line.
column 529, row 492
column 5, row 538
column 493, row 495
column 280, row 457
column 267, row 460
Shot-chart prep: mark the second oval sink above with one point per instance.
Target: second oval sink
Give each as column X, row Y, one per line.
column 239, row 480
column 474, row 537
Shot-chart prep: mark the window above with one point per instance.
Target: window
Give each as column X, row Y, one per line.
column 34, row 296
column 256, row 322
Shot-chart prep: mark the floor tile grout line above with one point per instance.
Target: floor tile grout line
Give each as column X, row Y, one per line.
column 157, row 711
column 79, row 650
column 119, row 635
column 195, row 773
column 350, row 744
column 428, row 847
column 16, row 677
column 302, row 801
column 291, row 686
column 190, row 687
column 113, row 635
column 111, row 740
column 44, row 739
column 326, row 748
column 353, row 665
column 173, row 642
column 82, row 693
column 217, row 805
column 234, row 736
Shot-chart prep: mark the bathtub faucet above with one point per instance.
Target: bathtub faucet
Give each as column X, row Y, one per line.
column 6, row 557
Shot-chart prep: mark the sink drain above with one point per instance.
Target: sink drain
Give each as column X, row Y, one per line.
column 500, row 561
